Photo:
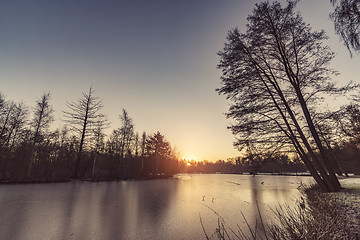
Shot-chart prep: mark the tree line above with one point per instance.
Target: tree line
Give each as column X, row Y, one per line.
column 278, row 165
column 31, row 151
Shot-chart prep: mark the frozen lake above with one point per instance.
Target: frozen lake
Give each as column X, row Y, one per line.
column 152, row 209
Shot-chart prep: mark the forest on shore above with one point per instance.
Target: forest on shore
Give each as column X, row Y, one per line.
column 31, row 151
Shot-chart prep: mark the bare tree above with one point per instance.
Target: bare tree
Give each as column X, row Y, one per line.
column 347, row 120
column 275, row 74
column 40, row 123
column 82, row 118
column 126, row 133
column 2, row 103
column 346, row 17
column 13, row 132
column 17, row 119
column 6, row 112
column 136, row 144
column 143, row 144
column 42, row 116
column 98, row 139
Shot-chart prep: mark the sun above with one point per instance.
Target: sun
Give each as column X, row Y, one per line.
column 189, row 158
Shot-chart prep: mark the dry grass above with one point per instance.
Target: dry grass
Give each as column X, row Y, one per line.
column 321, row 216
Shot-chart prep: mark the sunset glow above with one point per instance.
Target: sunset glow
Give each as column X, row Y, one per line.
column 189, row 158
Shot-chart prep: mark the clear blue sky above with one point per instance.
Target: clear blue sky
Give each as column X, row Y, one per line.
column 157, row 59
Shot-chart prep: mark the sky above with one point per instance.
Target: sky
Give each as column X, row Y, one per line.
column 157, row 59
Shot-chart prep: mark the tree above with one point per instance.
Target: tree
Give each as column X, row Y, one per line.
column 346, row 17
column 348, row 120
column 2, row 104
column 121, row 138
column 143, row 144
column 82, row 117
column 15, row 124
column 13, row 135
column 98, row 138
column 42, row 116
column 6, row 112
column 275, row 74
column 136, row 144
column 40, row 123
column 158, row 149
column 126, row 133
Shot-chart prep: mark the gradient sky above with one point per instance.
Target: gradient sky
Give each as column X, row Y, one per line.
column 157, row 59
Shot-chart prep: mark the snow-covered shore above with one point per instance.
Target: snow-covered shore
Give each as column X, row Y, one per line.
column 349, row 202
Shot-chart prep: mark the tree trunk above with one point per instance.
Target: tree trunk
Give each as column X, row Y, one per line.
column 334, row 181
column 83, row 134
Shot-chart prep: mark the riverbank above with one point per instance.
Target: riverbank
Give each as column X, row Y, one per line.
column 318, row 215
column 348, row 200
column 323, row 215
column 60, row 180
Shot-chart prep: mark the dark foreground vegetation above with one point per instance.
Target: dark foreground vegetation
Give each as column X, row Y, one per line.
column 321, row 216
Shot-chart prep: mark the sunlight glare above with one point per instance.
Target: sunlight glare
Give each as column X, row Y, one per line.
column 189, row 158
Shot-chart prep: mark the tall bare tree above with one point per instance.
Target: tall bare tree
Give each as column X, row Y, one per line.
column 43, row 116
column 126, row 133
column 136, row 144
column 16, row 124
column 81, row 118
column 143, row 144
column 6, row 113
column 40, row 123
column 274, row 74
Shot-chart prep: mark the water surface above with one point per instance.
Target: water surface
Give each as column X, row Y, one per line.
column 152, row 209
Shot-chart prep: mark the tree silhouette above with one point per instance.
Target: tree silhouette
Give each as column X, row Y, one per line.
column 143, row 144
column 274, row 74
column 82, row 117
column 159, row 150
column 97, row 140
column 2, row 104
column 15, row 124
column 346, row 17
column 348, row 122
column 6, row 109
column 126, row 133
column 40, row 123
column 42, row 116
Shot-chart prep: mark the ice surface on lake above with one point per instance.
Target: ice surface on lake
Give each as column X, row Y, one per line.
column 152, row 209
